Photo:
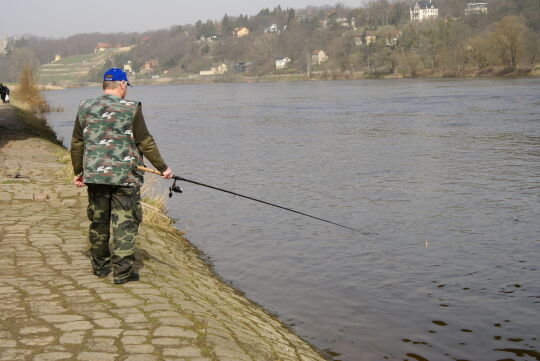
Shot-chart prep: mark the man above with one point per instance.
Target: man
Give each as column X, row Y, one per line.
column 4, row 93
column 109, row 139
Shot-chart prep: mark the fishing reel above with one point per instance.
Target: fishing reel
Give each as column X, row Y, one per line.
column 174, row 188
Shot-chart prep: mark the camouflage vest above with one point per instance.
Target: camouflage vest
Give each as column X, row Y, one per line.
column 110, row 152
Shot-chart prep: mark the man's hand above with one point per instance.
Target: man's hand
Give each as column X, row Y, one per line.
column 78, row 181
column 167, row 174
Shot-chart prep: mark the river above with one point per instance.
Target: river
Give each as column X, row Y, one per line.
column 442, row 177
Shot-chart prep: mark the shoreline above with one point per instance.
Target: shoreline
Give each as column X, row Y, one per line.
column 180, row 308
column 488, row 73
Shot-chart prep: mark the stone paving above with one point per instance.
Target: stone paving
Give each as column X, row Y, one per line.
column 53, row 308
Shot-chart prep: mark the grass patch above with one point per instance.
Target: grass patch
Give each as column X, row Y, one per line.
column 35, row 124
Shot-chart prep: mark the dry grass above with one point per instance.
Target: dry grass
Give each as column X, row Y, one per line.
column 64, row 156
column 27, row 93
column 154, row 207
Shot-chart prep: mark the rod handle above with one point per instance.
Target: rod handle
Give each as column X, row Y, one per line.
column 148, row 170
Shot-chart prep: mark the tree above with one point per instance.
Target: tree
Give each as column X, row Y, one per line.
column 479, row 50
column 227, row 26
column 508, row 40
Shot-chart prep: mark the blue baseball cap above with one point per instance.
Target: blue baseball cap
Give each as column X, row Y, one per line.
column 115, row 74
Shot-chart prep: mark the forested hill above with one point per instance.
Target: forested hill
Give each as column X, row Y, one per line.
column 376, row 39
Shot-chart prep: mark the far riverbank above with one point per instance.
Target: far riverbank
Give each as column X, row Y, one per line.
column 489, row 72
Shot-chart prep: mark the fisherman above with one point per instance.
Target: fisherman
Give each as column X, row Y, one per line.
column 109, row 140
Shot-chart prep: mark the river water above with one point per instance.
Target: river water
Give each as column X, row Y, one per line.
column 442, row 177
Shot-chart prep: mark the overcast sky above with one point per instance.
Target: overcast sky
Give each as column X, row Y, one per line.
column 61, row 18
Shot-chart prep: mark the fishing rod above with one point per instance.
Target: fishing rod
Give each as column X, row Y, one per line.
column 177, row 189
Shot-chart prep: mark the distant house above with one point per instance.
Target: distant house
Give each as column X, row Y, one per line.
column 101, row 47
column 3, row 46
column 240, row 32
column 339, row 22
column 318, row 57
column 370, row 37
column 57, row 58
column 358, row 41
column 128, row 68
column 391, row 39
column 476, row 8
column 423, row 10
column 149, row 66
column 241, row 67
column 304, row 19
column 272, row 29
column 282, row 63
column 218, row 70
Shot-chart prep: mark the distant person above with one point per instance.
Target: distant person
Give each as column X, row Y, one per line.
column 109, row 139
column 4, row 93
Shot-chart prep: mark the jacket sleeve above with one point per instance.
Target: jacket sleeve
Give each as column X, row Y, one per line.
column 145, row 143
column 77, row 148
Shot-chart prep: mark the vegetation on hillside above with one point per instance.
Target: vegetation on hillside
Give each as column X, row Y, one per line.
column 375, row 39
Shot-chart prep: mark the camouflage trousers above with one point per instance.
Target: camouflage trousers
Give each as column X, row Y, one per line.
column 118, row 208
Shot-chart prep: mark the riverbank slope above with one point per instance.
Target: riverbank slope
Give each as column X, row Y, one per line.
column 53, row 308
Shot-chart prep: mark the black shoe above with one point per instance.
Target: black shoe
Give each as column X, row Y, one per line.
column 134, row 276
column 102, row 272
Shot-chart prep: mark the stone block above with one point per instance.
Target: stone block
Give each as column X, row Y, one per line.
column 188, row 351
column 169, row 331
column 53, row 356
column 41, row 196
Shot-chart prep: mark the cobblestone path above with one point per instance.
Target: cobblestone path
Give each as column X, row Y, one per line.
column 53, row 308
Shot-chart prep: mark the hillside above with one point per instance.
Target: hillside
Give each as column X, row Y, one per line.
column 76, row 69
column 71, row 69
column 379, row 39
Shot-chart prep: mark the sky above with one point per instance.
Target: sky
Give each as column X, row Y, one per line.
column 61, row 18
